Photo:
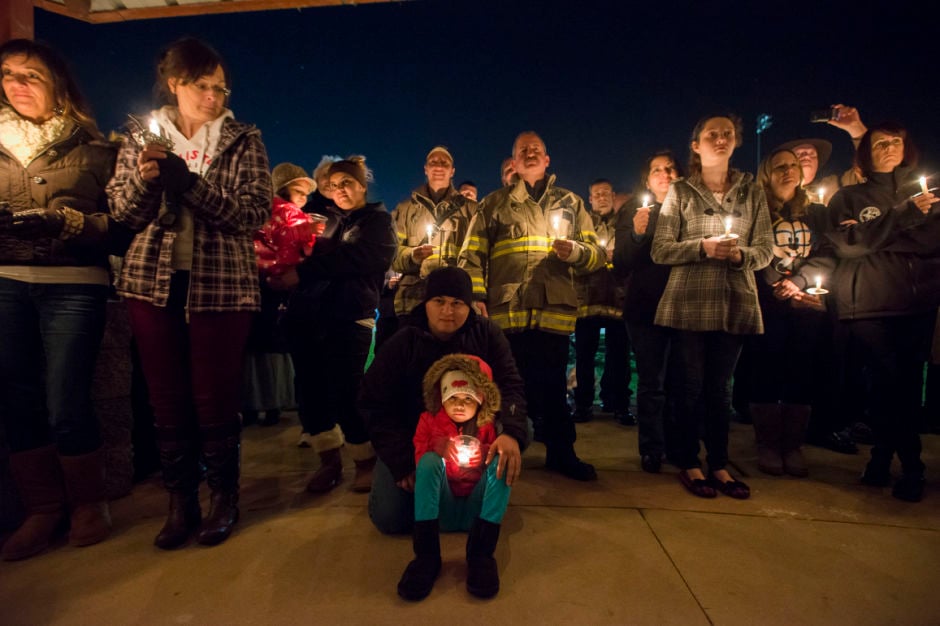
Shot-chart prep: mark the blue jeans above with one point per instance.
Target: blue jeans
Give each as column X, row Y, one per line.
column 434, row 499
column 49, row 340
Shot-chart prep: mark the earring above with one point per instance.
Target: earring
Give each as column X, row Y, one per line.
column 58, row 109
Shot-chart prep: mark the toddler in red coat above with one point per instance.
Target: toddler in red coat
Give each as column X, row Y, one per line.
column 454, row 489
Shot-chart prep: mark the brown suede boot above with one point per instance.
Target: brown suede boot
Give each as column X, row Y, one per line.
column 330, row 472
column 38, row 478
column 84, row 484
column 363, row 454
column 795, row 422
column 768, row 431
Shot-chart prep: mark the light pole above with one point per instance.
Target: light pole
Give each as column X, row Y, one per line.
column 764, row 121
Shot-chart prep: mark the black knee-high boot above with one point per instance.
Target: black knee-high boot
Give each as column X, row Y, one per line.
column 179, row 462
column 221, row 447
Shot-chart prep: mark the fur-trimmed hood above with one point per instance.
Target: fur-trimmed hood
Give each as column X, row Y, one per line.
column 479, row 373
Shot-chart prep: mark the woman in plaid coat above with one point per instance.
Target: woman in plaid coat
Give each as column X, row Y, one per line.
column 191, row 280
column 714, row 230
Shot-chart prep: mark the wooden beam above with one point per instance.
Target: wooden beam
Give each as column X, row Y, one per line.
column 16, row 20
column 208, row 8
column 78, row 8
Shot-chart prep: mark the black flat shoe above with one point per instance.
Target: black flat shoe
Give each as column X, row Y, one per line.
column 651, row 463
column 731, row 488
column 696, row 486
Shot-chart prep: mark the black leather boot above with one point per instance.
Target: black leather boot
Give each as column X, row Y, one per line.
column 181, row 478
column 482, row 572
column 221, row 447
column 418, row 578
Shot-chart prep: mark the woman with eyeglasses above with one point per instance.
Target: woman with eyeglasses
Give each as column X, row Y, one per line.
column 191, row 280
column 779, row 369
column 644, row 287
column 885, row 293
column 330, row 320
column 714, row 230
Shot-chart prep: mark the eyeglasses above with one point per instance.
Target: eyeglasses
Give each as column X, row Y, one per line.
column 884, row 144
column 218, row 90
column 343, row 184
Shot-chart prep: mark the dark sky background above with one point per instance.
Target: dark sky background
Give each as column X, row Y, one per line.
column 604, row 83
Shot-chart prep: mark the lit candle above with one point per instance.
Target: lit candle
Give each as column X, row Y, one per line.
column 603, row 243
column 817, row 290
column 463, row 455
column 923, row 184
column 646, row 200
column 822, row 194
column 556, row 225
column 728, row 222
column 154, row 127
column 818, row 282
column 430, row 230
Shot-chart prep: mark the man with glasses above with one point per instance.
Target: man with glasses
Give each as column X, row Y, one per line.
column 601, row 297
column 431, row 225
column 526, row 245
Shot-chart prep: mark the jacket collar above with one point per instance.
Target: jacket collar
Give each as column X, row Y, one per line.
column 519, row 193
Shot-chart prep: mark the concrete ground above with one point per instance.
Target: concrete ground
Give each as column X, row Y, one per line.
column 631, row 548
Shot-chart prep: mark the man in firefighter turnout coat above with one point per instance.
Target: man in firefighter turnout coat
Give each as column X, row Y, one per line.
column 526, row 245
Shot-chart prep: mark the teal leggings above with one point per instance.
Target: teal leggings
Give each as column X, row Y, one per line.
column 434, row 500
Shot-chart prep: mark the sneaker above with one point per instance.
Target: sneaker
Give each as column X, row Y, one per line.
column 651, row 463
column 625, row 418
column 306, row 441
column 582, row 415
column 909, row 487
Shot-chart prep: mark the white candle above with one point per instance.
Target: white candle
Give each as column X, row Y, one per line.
column 556, row 223
column 646, row 200
column 728, row 222
column 154, row 127
column 822, row 194
column 603, row 243
column 923, row 184
column 818, row 282
column 430, row 230
column 463, row 455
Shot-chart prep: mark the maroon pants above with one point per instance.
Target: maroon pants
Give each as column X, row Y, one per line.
column 194, row 370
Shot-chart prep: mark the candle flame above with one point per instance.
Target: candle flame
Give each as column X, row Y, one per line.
column 923, row 184
column 603, row 243
column 818, row 282
column 463, row 455
column 154, row 127
column 822, row 193
column 728, row 222
column 646, row 200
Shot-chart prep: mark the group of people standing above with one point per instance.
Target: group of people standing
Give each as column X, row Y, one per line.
column 488, row 294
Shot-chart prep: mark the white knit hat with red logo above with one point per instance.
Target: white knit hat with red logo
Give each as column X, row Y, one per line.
column 456, row 381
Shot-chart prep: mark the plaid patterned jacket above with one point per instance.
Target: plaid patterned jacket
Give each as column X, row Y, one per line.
column 707, row 294
column 228, row 205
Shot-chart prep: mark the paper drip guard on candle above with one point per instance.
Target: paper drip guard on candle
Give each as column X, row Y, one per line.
column 817, row 290
column 728, row 234
column 468, row 447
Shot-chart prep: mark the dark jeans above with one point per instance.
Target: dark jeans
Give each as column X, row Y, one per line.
column 329, row 359
column 391, row 508
column 615, row 382
column 49, row 340
column 704, row 403
column 651, row 346
column 194, row 369
column 895, row 349
column 542, row 359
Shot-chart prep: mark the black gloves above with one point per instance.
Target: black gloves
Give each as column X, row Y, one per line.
column 62, row 223
column 175, row 176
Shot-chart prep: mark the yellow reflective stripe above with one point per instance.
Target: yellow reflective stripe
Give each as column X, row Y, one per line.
column 478, row 285
column 589, row 236
column 524, row 244
column 402, row 237
column 476, row 244
column 599, row 309
column 554, row 321
column 511, row 319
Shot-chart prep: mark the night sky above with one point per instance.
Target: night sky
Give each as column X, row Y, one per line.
column 604, row 83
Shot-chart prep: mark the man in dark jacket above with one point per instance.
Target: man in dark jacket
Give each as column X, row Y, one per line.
column 390, row 399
